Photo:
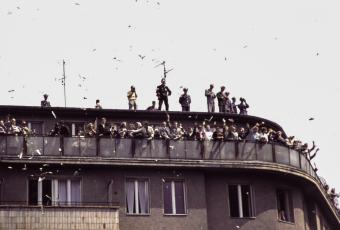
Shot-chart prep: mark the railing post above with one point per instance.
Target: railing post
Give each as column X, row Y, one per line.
column 236, row 143
column 97, row 146
column 62, row 146
column 273, row 152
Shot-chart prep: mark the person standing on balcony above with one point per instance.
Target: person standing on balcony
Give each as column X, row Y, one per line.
column 45, row 103
column 210, row 99
column 162, row 93
column 102, row 128
column 132, row 98
column 243, row 106
column 185, row 100
column 222, row 98
column 98, row 106
column 233, row 106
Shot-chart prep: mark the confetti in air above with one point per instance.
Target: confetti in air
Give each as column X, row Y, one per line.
column 55, row 116
column 10, row 167
column 38, row 151
column 20, row 155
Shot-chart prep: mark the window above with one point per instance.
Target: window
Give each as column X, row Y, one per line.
column 36, row 127
column 285, row 206
column 53, row 192
column 137, row 196
column 240, row 201
column 174, row 197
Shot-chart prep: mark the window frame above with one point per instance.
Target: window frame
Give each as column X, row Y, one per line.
column 173, row 180
column 291, row 206
column 252, row 200
column 149, row 195
column 54, row 200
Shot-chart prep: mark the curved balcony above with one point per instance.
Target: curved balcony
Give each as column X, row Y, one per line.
column 81, row 147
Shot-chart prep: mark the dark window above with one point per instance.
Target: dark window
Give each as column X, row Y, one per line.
column 47, row 192
column 37, row 127
column 285, row 206
column 137, row 196
column 174, row 197
column 33, row 192
column 240, row 201
column 1, row 182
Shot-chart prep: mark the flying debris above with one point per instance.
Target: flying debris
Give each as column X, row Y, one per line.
column 41, row 169
column 79, row 85
column 311, row 119
column 18, row 7
column 77, row 4
column 20, row 155
column 10, row 167
column 55, row 116
column 231, row 120
column 93, row 50
column 11, row 91
column 245, row 46
column 129, row 26
column 84, row 98
column 225, row 58
column 38, row 151
column 317, row 54
column 158, row 3
column 141, row 57
column 9, row 13
column 116, row 59
column 46, row 165
column 163, row 180
column 41, row 179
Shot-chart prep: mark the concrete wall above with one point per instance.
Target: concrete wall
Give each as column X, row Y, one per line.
column 264, row 191
column 207, row 196
column 58, row 218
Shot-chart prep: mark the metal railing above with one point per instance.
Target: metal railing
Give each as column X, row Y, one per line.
column 32, row 147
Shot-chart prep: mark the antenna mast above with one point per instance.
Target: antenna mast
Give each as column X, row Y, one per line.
column 64, row 82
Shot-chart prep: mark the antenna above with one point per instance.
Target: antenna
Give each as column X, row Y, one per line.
column 64, row 82
column 164, row 69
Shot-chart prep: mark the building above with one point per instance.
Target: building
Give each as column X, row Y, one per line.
column 106, row 183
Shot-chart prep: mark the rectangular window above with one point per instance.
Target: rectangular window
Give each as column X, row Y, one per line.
column 285, row 206
column 240, row 201
column 137, row 196
column 36, row 127
column 54, row 192
column 174, row 197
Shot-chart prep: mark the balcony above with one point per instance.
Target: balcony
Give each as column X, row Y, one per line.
column 44, row 148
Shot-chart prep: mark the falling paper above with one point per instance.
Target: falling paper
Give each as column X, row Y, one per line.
column 55, row 116
column 41, row 179
column 38, row 151
column 20, row 155
column 10, row 167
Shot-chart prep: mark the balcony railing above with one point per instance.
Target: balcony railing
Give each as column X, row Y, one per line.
column 31, row 147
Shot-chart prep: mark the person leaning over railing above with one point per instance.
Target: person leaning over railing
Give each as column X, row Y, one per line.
column 146, row 131
column 2, row 128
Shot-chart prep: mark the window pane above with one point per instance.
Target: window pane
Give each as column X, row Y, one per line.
column 33, row 192
column 285, row 206
column 179, row 196
column 246, row 201
column 130, row 196
column 167, row 197
column 143, row 194
column 47, row 192
column 62, row 192
column 75, row 192
column 233, row 201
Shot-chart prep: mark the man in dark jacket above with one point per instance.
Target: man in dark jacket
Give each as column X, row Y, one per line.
column 162, row 93
column 185, row 100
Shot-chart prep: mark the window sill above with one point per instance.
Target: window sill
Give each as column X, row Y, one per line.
column 286, row 222
column 247, row 218
column 135, row 214
column 176, row 215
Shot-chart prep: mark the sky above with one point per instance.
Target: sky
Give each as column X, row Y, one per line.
column 281, row 55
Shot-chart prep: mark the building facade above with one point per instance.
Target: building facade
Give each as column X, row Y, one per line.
column 75, row 182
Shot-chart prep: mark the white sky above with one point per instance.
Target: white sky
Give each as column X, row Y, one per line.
column 282, row 56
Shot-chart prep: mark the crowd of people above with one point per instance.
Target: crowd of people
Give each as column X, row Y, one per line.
column 225, row 104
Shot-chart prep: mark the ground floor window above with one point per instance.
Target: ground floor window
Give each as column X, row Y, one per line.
column 174, row 197
column 285, row 205
column 240, row 201
column 54, row 192
column 137, row 196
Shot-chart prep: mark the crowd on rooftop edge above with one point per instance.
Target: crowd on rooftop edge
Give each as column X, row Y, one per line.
column 200, row 131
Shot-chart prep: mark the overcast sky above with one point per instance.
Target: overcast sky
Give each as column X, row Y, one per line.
column 282, row 56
